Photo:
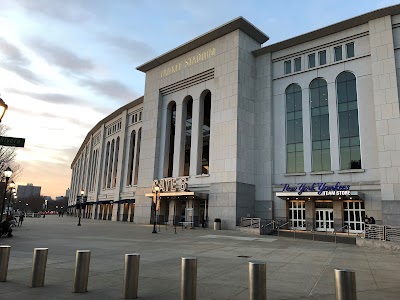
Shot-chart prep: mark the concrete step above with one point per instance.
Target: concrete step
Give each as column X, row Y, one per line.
column 318, row 236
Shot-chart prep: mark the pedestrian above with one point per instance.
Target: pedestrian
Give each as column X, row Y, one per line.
column 21, row 219
column 366, row 219
column 371, row 220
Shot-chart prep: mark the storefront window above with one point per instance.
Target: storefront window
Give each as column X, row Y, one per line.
column 354, row 213
column 321, row 158
column 294, row 130
column 297, row 214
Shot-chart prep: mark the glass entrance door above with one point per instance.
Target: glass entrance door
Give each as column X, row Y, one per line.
column 324, row 215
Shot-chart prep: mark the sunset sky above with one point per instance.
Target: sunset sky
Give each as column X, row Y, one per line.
column 65, row 65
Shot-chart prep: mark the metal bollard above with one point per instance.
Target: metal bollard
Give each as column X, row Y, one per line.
column 189, row 278
column 257, row 280
column 345, row 284
column 39, row 267
column 81, row 271
column 4, row 259
column 131, row 276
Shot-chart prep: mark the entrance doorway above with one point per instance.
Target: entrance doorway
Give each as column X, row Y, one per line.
column 324, row 216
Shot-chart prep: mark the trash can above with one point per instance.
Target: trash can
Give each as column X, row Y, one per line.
column 217, row 224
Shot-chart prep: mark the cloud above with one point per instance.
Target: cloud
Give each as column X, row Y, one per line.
column 54, row 98
column 68, row 11
column 110, row 88
column 14, row 61
column 61, row 57
column 135, row 50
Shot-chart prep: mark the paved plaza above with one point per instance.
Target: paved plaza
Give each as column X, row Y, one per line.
column 296, row 269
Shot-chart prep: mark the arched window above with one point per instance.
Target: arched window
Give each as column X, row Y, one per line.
column 135, row 181
column 94, row 177
column 206, row 131
column 114, row 179
column 321, row 157
column 110, row 164
column 131, row 158
column 350, row 156
column 91, row 168
column 171, row 117
column 106, row 158
column 188, row 134
column 294, row 129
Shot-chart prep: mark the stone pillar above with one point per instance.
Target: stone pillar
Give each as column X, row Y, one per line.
column 172, row 211
column 307, row 129
column 197, row 136
column 115, row 211
column 179, row 141
column 310, row 214
column 337, row 214
column 387, row 114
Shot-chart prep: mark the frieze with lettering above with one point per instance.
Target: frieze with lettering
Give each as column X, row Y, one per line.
column 195, row 59
column 321, row 188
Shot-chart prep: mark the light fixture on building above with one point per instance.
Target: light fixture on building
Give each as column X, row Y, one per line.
column 3, row 108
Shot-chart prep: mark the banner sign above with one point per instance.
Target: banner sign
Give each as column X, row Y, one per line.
column 171, row 184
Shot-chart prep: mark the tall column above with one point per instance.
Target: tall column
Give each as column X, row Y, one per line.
column 387, row 114
column 310, row 214
column 172, row 211
column 164, row 144
column 197, row 137
column 178, row 147
column 306, row 130
column 337, row 214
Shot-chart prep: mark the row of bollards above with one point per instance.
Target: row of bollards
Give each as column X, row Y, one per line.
column 345, row 280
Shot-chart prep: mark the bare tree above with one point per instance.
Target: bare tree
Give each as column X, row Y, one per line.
column 8, row 157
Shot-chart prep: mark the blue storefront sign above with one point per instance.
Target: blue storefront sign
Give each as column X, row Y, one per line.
column 321, row 188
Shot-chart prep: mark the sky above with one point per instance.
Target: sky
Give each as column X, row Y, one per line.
column 65, row 65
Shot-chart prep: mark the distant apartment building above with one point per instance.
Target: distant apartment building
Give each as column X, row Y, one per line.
column 29, row 190
column 67, row 193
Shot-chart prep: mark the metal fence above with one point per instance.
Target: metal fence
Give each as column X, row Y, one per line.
column 382, row 233
column 250, row 222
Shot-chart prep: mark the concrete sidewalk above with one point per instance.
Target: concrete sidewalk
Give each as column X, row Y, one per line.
column 296, row 269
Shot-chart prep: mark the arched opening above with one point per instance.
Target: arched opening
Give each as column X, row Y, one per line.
column 188, row 104
column 321, row 158
column 135, row 181
column 110, row 165
column 350, row 156
column 106, row 158
column 171, row 119
column 206, row 131
column 114, row 180
column 294, row 129
column 131, row 158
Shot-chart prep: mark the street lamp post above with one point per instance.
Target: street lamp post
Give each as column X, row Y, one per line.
column 80, row 207
column 12, row 190
column 7, row 174
column 156, row 190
